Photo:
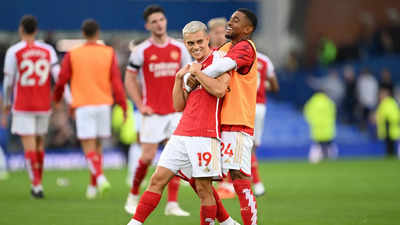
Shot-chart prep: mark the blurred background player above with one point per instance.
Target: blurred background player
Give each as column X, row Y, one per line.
column 267, row 81
column 388, row 121
column 216, row 27
column 95, row 78
column 156, row 60
column 320, row 114
column 27, row 67
column 180, row 155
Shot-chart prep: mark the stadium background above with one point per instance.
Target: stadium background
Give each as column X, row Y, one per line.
column 291, row 33
column 299, row 36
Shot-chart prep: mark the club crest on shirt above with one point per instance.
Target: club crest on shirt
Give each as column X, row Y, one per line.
column 174, row 55
column 153, row 57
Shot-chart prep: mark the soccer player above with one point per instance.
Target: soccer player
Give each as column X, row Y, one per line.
column 193, row 150
column 27, row 67
column 216, row 28
column 238, row 109
column 267, row 81
column 94, row 76
column 156, row 61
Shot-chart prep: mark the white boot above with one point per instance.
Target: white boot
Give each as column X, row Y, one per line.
column 131, row 203
column 315, row 155
column 173, row 209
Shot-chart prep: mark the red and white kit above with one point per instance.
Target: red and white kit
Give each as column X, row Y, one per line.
column 194, row 148
column 26, row 69
column 157, row 66
column 265, row 71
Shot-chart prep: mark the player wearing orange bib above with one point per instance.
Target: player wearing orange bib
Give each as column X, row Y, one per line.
column 93, row 72
column 238, row 108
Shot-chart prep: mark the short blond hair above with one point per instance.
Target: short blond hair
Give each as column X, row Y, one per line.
column 219, row 21
column 194, row 27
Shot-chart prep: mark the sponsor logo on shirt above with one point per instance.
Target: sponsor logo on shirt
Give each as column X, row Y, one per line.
column 164, row 69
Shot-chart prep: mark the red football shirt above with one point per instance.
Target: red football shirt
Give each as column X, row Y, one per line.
column 157, row 66
column 202, row 113
column 29, row 64
column 265, row 71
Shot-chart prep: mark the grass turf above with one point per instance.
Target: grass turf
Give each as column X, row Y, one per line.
column 344, row 192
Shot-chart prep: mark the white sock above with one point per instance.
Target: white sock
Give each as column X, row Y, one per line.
column 37, row 188
column 133, row 160
column 134, row 222
column 227, row 221
column 101, row 179
column 172, row 204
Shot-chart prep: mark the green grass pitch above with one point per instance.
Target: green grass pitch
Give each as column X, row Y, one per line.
column 344, row 192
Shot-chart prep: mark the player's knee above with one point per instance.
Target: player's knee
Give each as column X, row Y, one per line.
column 157, row 183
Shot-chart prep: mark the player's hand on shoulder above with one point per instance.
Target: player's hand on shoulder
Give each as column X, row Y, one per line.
column 146, row 110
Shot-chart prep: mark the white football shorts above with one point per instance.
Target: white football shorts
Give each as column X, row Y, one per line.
column 155, row 128
column 29, row 124
column 93, row 121
column 192, row 157
column 259, row 123
column 236, row 152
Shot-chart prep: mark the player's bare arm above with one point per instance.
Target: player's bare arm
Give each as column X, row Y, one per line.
column 179, row 95
column 273, row 84
column 133, row 91
column 215, row 86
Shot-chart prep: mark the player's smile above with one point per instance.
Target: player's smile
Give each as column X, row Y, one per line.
column 197, row 44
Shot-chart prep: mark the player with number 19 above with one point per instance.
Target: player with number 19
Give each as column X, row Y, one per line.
column 27, row 67
column 193, row 150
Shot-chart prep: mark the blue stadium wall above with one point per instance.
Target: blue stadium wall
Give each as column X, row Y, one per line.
column 114, row 14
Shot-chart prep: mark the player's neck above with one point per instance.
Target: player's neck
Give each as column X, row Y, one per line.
column 28, row 38
column 91, row 40
column 236, row 40
column 202, row 59
column 159, row 39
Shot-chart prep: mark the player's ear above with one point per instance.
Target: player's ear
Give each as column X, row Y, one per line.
column 146, row 26
column 248, row 29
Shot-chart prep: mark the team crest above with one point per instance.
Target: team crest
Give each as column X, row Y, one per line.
column 174, row 55
column 153, row 57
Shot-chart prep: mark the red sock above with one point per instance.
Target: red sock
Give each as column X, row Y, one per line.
column 208, row 214
column 254, row 169
column 32, row 165
column 141, row 171
column 248, row 204
column 148, row 202
column 173, row 187
column 95, row 163
column 40, row 157
column 222, row 214
column 93, row 180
